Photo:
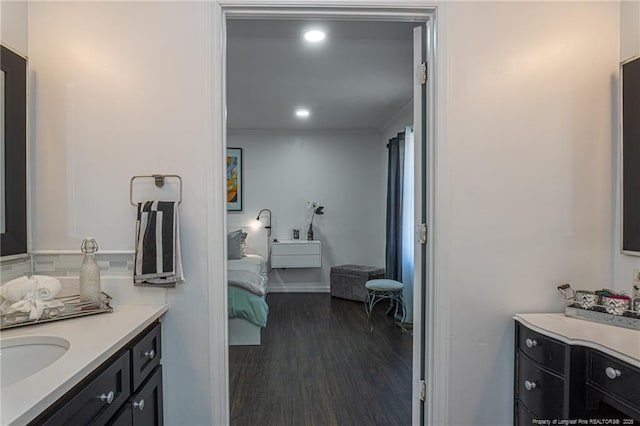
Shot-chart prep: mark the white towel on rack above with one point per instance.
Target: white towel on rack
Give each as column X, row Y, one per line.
column 158, row 262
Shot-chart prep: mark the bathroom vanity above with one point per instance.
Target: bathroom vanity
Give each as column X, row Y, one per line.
column 575, row 370
column 111, row 372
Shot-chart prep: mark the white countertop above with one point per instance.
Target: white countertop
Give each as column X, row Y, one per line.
column 619, row 342
column 93, row 340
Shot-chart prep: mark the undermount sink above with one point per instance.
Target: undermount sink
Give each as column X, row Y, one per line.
column 22, row 356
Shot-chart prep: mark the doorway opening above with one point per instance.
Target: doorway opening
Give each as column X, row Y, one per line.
column 313, row 139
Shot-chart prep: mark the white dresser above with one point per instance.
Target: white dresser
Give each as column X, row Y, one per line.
column 296, row 254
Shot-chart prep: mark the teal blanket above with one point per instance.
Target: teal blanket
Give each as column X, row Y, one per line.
column 243, row 304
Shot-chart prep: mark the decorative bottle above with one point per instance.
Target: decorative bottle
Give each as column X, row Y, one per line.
column 89, row 272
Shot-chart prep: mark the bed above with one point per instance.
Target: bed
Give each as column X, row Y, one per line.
column 246, row 292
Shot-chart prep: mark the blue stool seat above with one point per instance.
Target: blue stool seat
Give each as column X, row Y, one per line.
column 384, row 289
column 384, row 285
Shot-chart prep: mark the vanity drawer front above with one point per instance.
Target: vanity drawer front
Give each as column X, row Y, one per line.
column 525, row 417
column 145, row 406
column 91, row 405
column 616, row 377
column 147, row 402
column 145, row 355
column 539, row 390
column 545, row 350
column 124, row 417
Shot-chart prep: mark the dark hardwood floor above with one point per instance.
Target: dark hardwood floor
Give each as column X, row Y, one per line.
column 320, row 365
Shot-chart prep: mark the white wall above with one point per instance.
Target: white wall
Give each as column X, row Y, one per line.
column 121, row 89
column 524, row 178
column 340, row 170
column 625, row 265
column 14, row 26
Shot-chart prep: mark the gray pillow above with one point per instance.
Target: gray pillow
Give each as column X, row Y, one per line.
column 235, row 242
column 243, row 245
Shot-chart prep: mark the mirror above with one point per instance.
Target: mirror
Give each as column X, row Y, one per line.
column 630, row 173
column 13, row 153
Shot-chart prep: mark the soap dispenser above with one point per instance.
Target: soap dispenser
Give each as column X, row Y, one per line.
column 90, row 273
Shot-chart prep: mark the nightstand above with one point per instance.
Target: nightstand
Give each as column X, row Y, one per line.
column 296, row 254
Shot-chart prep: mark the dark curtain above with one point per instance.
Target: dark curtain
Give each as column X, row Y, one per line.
column 395, row 175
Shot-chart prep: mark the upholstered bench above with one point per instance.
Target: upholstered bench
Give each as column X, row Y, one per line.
column 348, row 281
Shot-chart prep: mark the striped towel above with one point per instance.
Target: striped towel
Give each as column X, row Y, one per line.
column 157, row 259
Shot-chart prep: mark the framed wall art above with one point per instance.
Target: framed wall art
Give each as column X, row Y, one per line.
column 234, row 179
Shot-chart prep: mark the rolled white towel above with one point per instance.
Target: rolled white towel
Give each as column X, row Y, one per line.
column 23, row 288
column 18, row 289
column 34, row 307
column 47, row 287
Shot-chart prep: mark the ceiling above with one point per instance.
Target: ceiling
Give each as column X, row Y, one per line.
column 356, row 79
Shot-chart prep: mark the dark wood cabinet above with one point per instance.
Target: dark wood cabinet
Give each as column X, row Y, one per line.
column 126, row 390
column 540, row 390
column 144, row 408
column 543, row 350
column 146, row 403
column 557, row 381
column 613, row 382
column 145, row 356
column 99, row 397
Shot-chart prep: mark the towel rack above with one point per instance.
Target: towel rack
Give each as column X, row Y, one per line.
column 159, row 181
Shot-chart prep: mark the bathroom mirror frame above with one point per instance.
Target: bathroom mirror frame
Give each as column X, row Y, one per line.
column 13, row 239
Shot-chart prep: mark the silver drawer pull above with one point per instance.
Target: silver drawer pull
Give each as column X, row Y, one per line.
column 530, row 385
column 612, row 373
column 139, row 404
column 531, row 343
column 107, row 397
column 150, row 354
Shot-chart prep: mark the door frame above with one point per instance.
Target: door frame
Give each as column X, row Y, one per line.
column 434, row 299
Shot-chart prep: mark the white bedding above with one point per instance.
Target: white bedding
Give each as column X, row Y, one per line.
column 249, row 273
column 252, row 262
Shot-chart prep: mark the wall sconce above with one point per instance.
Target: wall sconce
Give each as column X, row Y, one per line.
column 268, row 226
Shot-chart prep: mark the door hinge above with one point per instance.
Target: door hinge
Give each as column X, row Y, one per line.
column 422, row 233
column 423, row 390
column 421, row 73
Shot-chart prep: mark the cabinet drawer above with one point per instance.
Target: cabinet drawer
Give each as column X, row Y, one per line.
column 617, row 378
column 145, row 355
column 548, row 352
column 284, row 249
column 91, row 405
column 297, row 261
column 124, row 417
column 147, row 402
column 525, row 417
column 539, row 390
column 145, row 406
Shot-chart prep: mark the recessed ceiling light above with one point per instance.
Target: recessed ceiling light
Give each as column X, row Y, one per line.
column 314, row 36
column 303, row 113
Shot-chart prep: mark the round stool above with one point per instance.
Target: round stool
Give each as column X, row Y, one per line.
column 384, row 289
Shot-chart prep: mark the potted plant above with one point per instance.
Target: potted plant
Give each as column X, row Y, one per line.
column 317, row 209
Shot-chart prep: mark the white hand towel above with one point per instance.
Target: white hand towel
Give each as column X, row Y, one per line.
column 47, row 287
column 18, row 289
column 34, row 307
column 22, row 288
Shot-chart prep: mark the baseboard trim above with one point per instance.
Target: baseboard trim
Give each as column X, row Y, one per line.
column 299, row 288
